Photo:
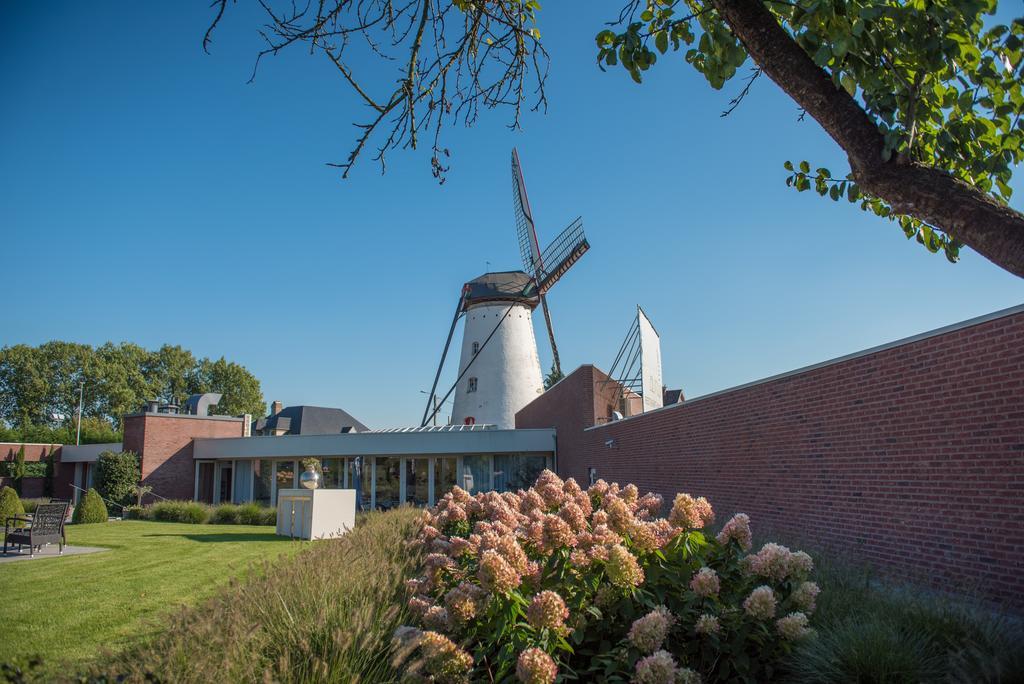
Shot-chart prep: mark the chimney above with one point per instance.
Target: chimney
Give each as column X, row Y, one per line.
column 276, row 408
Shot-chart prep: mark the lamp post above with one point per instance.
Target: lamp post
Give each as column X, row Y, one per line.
column 433, row 398
column 78, row 432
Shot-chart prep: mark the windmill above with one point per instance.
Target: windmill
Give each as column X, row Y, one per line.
column 499, row 368
column 549, row 266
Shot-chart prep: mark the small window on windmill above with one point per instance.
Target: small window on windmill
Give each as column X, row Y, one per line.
column 472, row 385
column 476, row 348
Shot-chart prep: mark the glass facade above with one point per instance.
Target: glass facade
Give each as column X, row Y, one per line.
column 285, row 475
column 262, row 474
column 476, row 473
column 417, row 481
column 398, row 479
column 516, row 471
column 388, row 482
column 334, row 473
column 444, row 475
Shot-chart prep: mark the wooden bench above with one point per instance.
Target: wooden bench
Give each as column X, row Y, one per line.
column 46, row 526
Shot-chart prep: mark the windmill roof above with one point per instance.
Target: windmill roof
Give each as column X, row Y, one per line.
column 502, row 286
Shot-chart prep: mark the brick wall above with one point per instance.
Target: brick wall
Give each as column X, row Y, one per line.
column 910, row 458
column 165, row 444
column 33, row 451
column 31, row 487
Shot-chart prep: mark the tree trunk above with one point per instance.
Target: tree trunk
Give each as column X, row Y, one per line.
column 962, row 211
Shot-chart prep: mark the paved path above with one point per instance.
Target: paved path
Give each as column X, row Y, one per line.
column 50, row 551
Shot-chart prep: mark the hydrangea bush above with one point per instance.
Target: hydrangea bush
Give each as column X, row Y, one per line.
column 561, row 583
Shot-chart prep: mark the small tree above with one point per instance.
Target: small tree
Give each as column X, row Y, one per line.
column 48, row 476
column 117, row 475
column 91, row 509
column 553, row 377
column 141, row 491
column 18, row 472
column 10, row 504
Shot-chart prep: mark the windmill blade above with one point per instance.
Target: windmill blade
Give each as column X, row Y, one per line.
column 526, row 232
column 564, row 251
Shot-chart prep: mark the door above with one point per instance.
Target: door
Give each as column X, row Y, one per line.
column 225, row 483
column 417, row 481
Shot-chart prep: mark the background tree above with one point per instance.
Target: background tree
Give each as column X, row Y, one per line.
column 39, row 387
column 48, row 475
column 923, row 96
column 18, row 470
column 117, row 476
column 553, row 377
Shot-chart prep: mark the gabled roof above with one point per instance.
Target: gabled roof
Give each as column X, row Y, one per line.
column 312, row 420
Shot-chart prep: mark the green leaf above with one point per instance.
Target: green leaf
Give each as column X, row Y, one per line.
column 805, row 167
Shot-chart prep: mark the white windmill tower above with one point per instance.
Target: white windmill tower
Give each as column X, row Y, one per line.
column 499, row 369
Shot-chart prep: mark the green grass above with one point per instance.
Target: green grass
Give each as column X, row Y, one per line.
column 71, row 609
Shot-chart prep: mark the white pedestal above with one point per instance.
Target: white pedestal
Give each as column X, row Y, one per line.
column 315, row 513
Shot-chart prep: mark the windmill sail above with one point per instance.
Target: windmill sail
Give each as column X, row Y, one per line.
column 651, row 388
column 526, row 231
column 564, row 251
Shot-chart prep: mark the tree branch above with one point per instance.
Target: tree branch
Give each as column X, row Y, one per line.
column 957, row 208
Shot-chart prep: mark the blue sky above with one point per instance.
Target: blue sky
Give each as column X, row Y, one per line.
column 150, row 194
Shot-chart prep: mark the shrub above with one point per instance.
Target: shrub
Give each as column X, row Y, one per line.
column 180, row 511
column 30, row 504
column 255, row 514
column 225, row 514
column 10, row 504
column 135, row 512
column 322, row 624
column 90, row 509
column 557, row 580
column 117, row 475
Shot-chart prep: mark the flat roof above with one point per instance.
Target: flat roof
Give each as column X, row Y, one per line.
column 86, row 453
column 378, row 444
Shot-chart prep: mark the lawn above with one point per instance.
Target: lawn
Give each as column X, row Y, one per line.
column 72, row 608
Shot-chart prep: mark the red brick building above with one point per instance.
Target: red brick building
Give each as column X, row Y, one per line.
column 909, row 456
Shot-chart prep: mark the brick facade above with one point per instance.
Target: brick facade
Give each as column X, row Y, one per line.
column 164, row 443
column 909, row 458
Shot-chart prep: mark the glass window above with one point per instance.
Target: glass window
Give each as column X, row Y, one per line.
column 472, row 385
column 388, row 474
column 416, row 481
column 444, row 476
column 359, row 469
column 262, row 474
column 285, row 475
column 243, row 482
column 334, row 473
column 476, row 473
column 516, row 471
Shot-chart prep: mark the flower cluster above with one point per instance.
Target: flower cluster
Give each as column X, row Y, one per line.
column 648, row 633
column 528, row 570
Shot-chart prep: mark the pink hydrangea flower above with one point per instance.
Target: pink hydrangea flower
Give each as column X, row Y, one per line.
column 705, row 583
column 534, row 666
column 761, row 603
column 805, row 595
column 773, row 561
column 436, row 618
column 547, row 610
column 707, row 624
column 443, row 659
column 623, row 569
column 496, row 574
column 657, row 668
column 690, row 513
column 793, row 627
column 738, row 530
column 648, row 633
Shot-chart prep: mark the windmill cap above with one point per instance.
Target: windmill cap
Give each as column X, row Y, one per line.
column 504, row 286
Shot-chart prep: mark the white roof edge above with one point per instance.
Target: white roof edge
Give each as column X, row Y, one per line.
column 953, row 327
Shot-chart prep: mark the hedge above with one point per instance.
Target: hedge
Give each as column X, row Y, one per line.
column 195, row 512
column 10, row 504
